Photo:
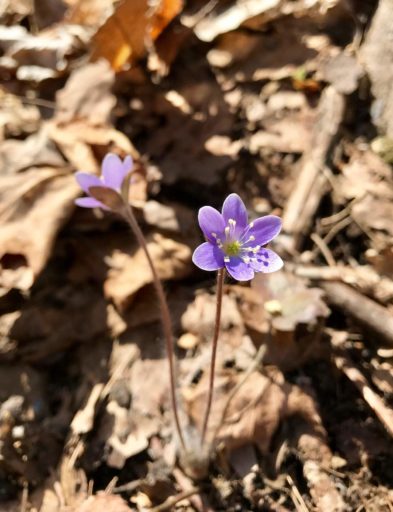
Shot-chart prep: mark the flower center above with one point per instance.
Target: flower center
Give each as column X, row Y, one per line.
column 232, row 248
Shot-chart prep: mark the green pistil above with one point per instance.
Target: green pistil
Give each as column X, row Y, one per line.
column 232, row 248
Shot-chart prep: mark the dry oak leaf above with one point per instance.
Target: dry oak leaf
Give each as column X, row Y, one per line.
column 255, row 411
column 125, row 35
column 34, row 205
column 130, row 273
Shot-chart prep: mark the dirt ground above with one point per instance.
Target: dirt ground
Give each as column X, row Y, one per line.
column 287, row 103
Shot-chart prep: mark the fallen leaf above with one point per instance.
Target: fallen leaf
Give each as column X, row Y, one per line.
column 256, row 410
column 38, row 197
column 102, row 502
column 87, row 95
column 281, row 311
column 130, row 272
column 123, row 37
column 35, row 151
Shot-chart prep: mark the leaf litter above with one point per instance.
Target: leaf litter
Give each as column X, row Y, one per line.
column 263, row 98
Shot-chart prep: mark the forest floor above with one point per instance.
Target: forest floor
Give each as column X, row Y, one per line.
column 285, row 103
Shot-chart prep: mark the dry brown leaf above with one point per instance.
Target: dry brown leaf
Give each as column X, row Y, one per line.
column 16, row 118
column 91, row 13
column 87, row 95
column 255, row 411
column 149, row 385
column 35, row 151
column 290, row 135
column 34, row 206
column 367, row 178
column 44, row 55
column 44, row 329
column 129, row 273
column 102, row 502
column 76, row 140
column 198, row 319
column 282, row 305
column 130, row 433
column 125, row 36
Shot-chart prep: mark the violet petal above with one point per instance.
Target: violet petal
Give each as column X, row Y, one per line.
column 86, row 180
column 264, row 230
column 208, row 257
column 114, row 170
column 239, row 270
column 267, row 261
column 88, row 202
column 233, row 208
column 211, row 221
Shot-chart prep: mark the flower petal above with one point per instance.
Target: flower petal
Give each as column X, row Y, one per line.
column 208, row 257
column 88, row 202
column 86, row 180
column 267, row 261
column 211, row 221
column 233, row 208
column 264, row 230
column 239, row 270
column 114, row 170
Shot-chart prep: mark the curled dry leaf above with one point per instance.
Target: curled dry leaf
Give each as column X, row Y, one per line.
column 123, row 37
column 38, row 197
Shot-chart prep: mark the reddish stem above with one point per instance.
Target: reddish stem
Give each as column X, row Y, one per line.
column 165, row 316
column 220, row 285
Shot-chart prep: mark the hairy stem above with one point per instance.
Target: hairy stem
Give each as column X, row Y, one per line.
column 165, row 316
column 220, row 285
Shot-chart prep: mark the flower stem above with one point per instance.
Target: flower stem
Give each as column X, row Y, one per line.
column 165, row 316
column 220, row 285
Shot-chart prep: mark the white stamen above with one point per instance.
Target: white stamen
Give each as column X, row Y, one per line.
column 214, row 235
column 246, row 259
column 227, row 230
column 232, row 222
column 251, row 238
column 226, row 259
column 251, row 224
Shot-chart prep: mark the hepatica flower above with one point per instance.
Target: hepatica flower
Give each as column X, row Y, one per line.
column 235, row 244
column 114, row 172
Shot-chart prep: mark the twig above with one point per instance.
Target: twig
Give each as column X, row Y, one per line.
column 220, row 284
column 311, row 183
column 364, row 310
column 172, row 500
column 322, row 246
column 375, row 402
column 297, row 498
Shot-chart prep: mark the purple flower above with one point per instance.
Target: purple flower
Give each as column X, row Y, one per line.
column 234, row 243
column 114, row 172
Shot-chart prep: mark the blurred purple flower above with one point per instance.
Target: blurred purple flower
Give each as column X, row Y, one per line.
column 114, row 172
column 235, row 244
